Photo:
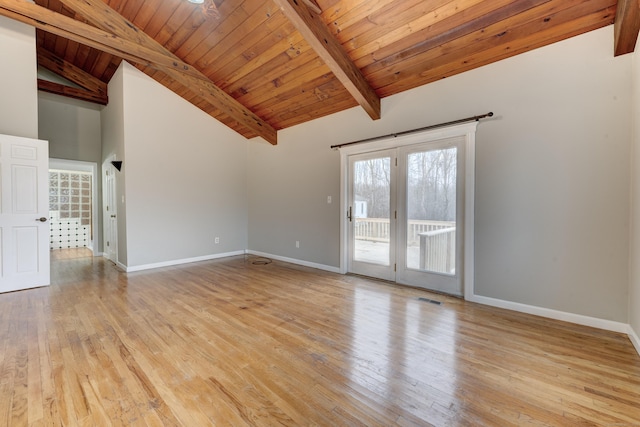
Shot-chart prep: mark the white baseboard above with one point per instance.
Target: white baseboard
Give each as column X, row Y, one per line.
column 579, row 319
column 119, row 265
column 296, row 261
column 181, row 261
column 635, row 340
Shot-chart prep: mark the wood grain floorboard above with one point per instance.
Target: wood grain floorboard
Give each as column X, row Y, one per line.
column 232, row 343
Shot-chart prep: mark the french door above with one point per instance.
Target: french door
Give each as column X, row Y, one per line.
column 406, row 214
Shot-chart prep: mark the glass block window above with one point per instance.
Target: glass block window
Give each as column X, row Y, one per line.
column 70, row 209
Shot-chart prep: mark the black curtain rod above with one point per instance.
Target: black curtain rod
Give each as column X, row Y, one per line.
column 439, row 125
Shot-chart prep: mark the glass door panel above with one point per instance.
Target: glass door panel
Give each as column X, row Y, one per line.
column 430, row 215
column 371, row 188
column 371, row 203
column 431, row 210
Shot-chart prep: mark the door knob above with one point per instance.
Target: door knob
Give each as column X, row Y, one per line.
column 42, row 219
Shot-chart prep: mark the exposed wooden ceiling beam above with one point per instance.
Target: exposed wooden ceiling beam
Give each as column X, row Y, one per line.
column 102, row 16
column 311, row 4
column 69, row 28
column 626, row 26
column 72, row 92
column 70, row 72
column 134, row 50
column 316, row 33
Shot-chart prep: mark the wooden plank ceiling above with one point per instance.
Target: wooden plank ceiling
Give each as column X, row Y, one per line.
column 263, row 65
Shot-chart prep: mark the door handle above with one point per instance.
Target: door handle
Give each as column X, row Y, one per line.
column 349, row 214
column 42, row 219
column 113, row 216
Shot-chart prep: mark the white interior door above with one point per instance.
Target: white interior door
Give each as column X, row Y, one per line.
column 24, row 212
column 110, row 216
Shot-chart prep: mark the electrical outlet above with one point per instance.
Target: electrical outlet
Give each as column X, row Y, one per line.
column 217, row 240
column 329, row 199
column 297, row 244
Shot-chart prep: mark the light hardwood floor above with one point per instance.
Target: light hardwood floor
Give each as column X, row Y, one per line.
column 231, row 343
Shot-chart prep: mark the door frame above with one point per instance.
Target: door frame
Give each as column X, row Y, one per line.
column 107, row 224
column 384, row 272
column 92, row 167
column 441, row 282
column 468, row 131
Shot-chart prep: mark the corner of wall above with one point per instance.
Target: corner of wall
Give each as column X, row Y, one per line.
column 634, row 241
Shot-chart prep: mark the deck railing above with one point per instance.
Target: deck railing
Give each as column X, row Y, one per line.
column 438, row 250
column 436, row 240
column 377, row 229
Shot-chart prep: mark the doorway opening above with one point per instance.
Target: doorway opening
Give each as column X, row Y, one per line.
column 72, row 209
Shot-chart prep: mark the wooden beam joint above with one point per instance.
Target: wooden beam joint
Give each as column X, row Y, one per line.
column 119, row 37
column 70, row 72
column 316, row 33
column 72, row 92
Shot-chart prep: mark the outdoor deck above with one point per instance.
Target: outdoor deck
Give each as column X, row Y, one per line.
column 430, row 244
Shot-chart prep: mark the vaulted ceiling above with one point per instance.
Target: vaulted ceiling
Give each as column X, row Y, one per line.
column 263, row 65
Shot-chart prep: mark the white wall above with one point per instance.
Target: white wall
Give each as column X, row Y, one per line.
column 18, row 79
column 634, row 286
column 112, row 120
column 185, row 177
column 72, row 127
column 552, row 200
column 73, row 130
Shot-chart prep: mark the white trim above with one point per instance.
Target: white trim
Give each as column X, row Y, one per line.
column 579, row 319
column 344, row 201
column 181, row 261
column 118, row 264
column 296, row 261
column 635, row 340
column 468, row 277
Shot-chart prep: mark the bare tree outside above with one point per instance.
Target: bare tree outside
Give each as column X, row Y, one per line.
column 372, row 179
column 431, row 210
column 431, row 185
column 372, row 187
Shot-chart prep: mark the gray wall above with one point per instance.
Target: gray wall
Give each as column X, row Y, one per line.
column 112, row 119
column 288, row 188
column 185, row 177
column 72, row 127
column 634, row 287
column 18, row 81
column 552, row 200
column 73, row 130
